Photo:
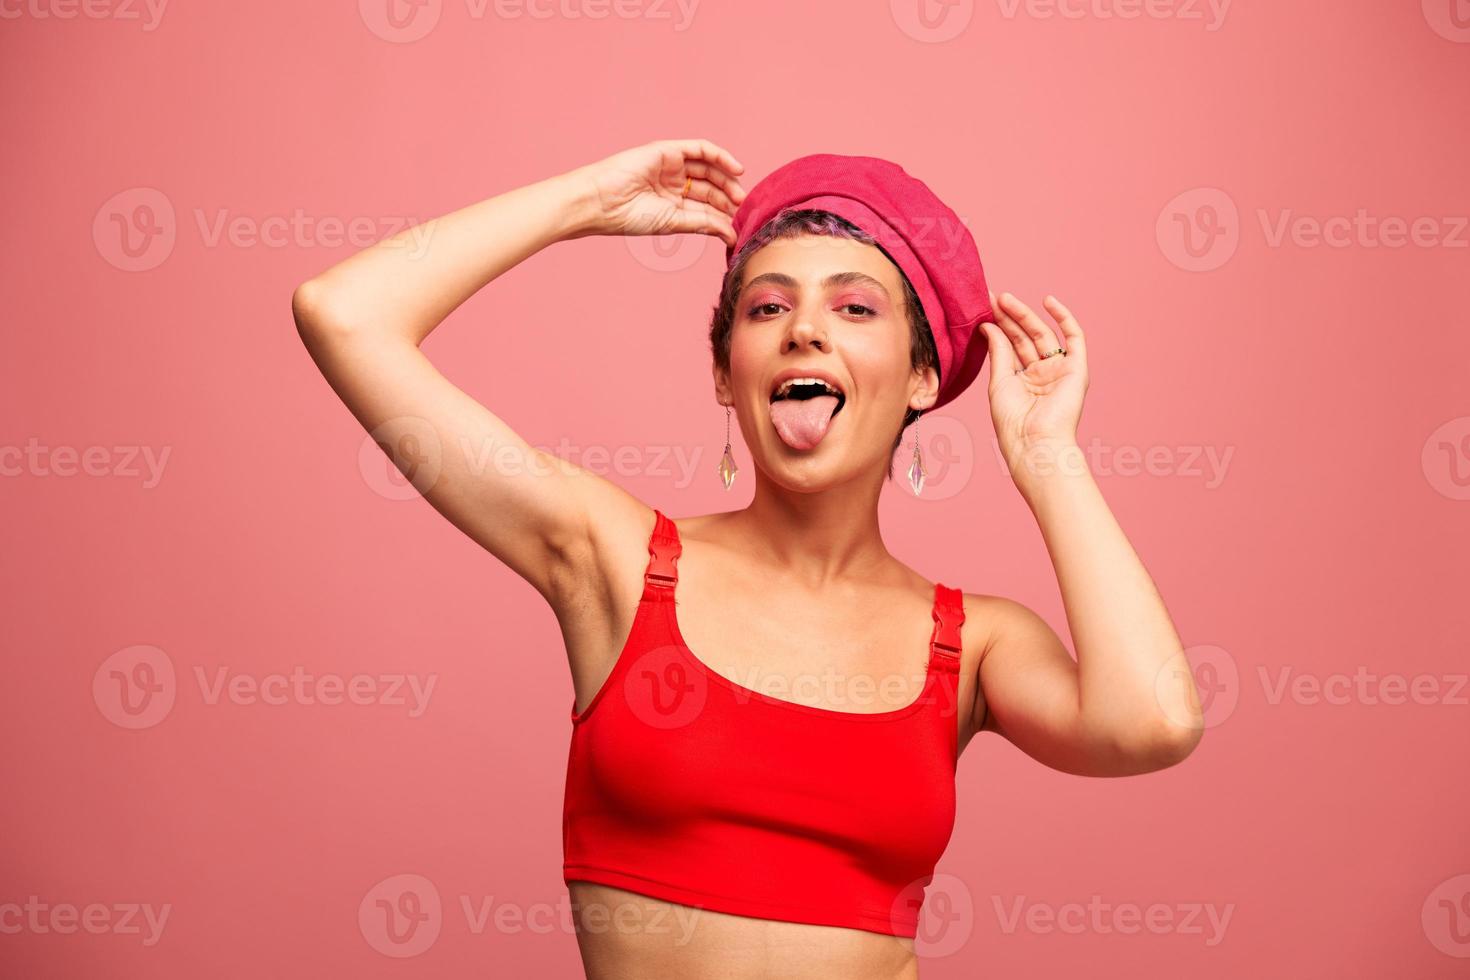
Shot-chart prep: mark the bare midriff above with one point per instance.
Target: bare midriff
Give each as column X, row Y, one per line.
column 625, row 935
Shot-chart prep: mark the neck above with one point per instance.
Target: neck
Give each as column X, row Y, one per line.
column 819, row 537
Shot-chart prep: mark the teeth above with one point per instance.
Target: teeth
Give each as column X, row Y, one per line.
column 785, row 386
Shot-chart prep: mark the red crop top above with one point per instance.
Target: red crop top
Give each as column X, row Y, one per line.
column 685, row 786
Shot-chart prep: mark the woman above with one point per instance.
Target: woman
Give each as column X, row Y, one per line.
column 723, row 818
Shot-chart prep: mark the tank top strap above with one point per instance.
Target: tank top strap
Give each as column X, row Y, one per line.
column 664, row 549
column 949, row 615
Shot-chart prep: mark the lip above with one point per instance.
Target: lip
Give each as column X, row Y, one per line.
column 790, row 373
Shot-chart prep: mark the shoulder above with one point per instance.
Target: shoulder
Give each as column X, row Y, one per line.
column 992, row 620
column 1003, row 640
column 987, row 618
column 994, row 609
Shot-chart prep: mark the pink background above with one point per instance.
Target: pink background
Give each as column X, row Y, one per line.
column 1137, row 167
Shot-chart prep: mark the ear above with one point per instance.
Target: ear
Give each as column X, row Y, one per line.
column 924, row 389
column 723, row 393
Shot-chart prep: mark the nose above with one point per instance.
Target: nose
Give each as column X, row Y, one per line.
column 806, row 331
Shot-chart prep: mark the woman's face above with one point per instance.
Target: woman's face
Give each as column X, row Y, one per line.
column 831, row 308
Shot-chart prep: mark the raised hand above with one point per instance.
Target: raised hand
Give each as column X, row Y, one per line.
column 642, row 191
column 1035, row 401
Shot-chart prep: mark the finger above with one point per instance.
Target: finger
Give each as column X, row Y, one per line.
column 704, row 219
column 732, row 187
column 707, row 193
column 1025, row 346
column 1034, row 326
column 1002, row 354
column 711, row 185
column 1072, row 338
column 710, row 153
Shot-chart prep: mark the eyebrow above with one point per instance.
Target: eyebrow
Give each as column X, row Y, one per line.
column 836, row 279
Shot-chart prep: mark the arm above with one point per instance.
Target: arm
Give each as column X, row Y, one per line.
column 363, row 321
column 1128, row 704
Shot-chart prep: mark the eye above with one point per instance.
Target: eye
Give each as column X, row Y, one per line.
column 757, row 308
column 866, row 310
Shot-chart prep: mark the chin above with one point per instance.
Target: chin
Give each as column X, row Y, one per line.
column 824, row 467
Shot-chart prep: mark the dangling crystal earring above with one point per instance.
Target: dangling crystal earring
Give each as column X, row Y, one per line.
column 916, row 468
column 727, row 468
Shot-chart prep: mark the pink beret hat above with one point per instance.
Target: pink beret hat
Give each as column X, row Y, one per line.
column 923, row 236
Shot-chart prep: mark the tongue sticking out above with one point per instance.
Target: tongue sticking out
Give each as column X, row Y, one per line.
column 803, row 423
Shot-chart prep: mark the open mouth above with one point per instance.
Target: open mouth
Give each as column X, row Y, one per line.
column 802, row 410
column 802, row 389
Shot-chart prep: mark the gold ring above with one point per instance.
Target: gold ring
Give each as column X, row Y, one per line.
column 1053, row 353
column 687, row 182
